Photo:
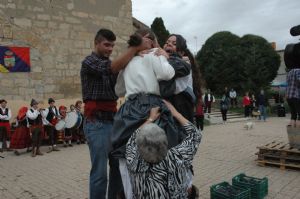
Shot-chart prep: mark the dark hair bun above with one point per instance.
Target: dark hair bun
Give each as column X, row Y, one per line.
column 135, row 40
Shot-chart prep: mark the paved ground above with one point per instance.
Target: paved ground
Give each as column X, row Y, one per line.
column 225, row 151
column 216, row 117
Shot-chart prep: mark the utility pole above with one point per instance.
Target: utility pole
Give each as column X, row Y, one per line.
column 196, row 42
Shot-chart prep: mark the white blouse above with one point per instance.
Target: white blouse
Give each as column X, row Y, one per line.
column 32, row 115
column 143, row 73
column 5, row 117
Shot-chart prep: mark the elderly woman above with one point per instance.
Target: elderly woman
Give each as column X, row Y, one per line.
column 155, row 171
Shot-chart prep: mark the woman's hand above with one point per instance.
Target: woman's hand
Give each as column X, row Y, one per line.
column 154, row 114
column 171, row 108
column 182, row 120
column 161, row 52
column 144, row 52
column 186, row 59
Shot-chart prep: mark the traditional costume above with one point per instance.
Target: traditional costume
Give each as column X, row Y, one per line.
column 78, row 133
column 208, row 99
column 20, row 139
column 67, row 132
column 50, row 118
column 35, row 127
column 5, row 115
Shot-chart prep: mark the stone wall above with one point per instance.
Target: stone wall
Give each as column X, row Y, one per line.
column 60, row 34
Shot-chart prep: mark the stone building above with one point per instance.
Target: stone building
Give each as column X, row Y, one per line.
column 60, row 34
column 138, row 24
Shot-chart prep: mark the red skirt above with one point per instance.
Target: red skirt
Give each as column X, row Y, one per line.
column 20, row 139
column 7, row 126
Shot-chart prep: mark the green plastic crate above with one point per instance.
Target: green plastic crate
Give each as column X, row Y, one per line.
column 258, row 186
column 224, row 190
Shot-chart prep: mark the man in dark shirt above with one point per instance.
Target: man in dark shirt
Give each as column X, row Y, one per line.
column 98, row 78
column 262, row 103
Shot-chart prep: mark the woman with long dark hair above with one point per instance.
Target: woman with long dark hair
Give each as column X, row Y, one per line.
column 188, row 81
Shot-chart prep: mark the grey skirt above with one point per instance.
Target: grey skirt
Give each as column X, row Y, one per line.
column 132, row 114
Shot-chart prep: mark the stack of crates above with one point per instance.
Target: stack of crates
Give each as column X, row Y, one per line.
column 226, row 191
column 258, row 186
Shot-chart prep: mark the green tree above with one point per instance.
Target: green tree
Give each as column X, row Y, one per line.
column 260, row 62
column 247, row 63
column 160, row 30
column 219, row 60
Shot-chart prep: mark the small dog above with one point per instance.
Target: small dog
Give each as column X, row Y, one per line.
column 248, row 125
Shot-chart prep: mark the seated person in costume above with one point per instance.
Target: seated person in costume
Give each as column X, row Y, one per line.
column 155, row 171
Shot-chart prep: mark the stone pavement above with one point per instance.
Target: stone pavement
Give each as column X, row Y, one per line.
column 56, row 175
column 216, row 116
column 225, row 151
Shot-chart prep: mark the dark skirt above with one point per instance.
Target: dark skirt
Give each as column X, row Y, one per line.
column 184, row 105
column 68, row 134
column 132, row 114
column 20, row 139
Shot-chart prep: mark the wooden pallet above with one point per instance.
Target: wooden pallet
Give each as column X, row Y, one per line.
column 279, row 154
column 281, row 165
column 279, row 146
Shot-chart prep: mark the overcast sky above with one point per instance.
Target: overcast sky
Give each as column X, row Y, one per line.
column 197, row 20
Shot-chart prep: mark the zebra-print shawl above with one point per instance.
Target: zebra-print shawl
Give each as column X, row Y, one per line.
column 167, row 179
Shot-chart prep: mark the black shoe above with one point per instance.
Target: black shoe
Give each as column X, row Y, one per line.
column 70, row 145
column 65, row 145
column 17, row 153
column 78, row 142
column 194, row 194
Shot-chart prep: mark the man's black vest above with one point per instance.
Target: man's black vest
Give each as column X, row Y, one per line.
column 36, row 121
column 206, row 98
column 51, row 114
column 5, row 113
